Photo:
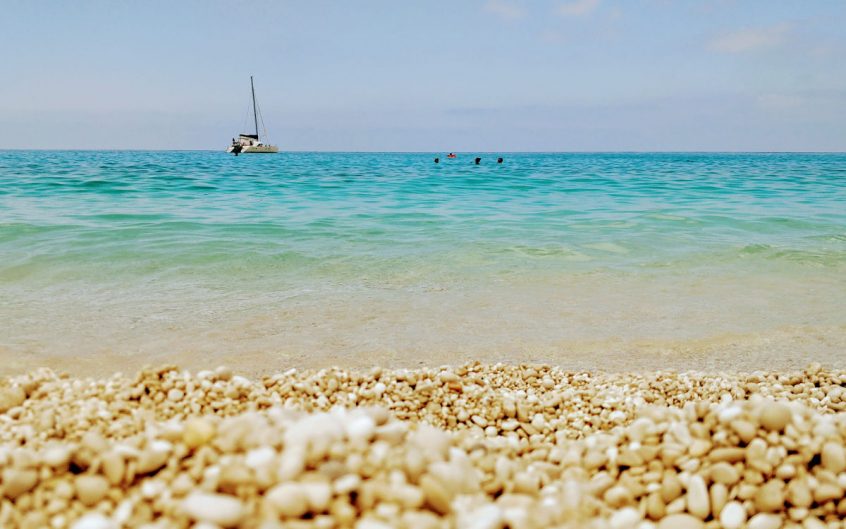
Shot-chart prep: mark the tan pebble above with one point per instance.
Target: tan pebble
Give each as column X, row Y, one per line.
column 113, row 467
column 834, row 457
column 526, row 483
column 719, row 497
column 198, row 431
column 56, row 456
column 699, row 447
column 655, row 508
column 18, row 481
column 90, row 489
column 744, row 429
column 625, row 518
column 671, row 487
column 765, row 521
column 698, row 502
column 770, row 497
column 11, row 397
column 479, row 421
column 680, row 521
column 150, row 461
column 813, row 523
column 724, row 473
column 93, row 521
column 288, row 500
column 733, row 515
column 618, row 496
column 799, row 493
column 594, row 459
column 34, row 520
column 436, row 495
column 319, row 495
column 221, row 509
column 827, row 492
column 775, row 416
column 420, row 520
column 371, row 523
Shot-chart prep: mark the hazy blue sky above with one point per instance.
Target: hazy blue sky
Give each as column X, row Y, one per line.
column 495, row 75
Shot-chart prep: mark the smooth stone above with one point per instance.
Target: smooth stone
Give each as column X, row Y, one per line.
column 198, row 431
column 698, row 502
column 288, row 499
column 834, row 457
column 18, row 481
column 724, row 473
column 765, row 521
column 94, row 521
column 733, row 515
column 770, row 497
column 221, row 509
column 680, row 521
column 775, row 416
column 91, row 489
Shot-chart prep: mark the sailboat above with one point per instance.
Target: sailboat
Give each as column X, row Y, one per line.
column 251, row 143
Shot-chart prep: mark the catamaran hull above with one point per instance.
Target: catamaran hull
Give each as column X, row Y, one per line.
column 257, row 149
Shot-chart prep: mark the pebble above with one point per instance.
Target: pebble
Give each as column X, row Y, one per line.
column 834, row 457
column 733, row 515
column 10, row 397
column 220, row 509
column 94, row 521
column 198, row 431
column 765, row 521
column 289, row 500
column 775, row 416
column 18, row 481
column 698, row 502
column 770, row 497
column 680, row 521
column 91, row 489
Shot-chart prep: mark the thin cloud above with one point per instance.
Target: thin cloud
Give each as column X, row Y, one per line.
column 578, row 8
column 505, row 10
column 750, row 39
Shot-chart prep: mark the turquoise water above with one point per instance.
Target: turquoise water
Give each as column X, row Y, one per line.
column 178, row 242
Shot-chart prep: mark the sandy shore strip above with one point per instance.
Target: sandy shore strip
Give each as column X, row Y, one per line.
column 476, row 446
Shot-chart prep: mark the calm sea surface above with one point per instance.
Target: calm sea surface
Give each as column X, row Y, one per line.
column 595, row 260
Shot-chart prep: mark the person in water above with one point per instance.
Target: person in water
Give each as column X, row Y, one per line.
column 451, row 155
column 478, row 160
column 499, row 160
column 437, row 160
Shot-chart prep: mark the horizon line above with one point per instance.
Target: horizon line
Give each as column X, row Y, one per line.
column 297, row 151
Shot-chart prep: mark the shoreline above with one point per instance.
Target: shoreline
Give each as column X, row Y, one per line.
column 788, row 350
column 474, row 445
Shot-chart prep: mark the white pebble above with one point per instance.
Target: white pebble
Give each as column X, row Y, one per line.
column 625, row 518
column 94, row 521
column 220, row 509
column 765, row 521
column 733, row 515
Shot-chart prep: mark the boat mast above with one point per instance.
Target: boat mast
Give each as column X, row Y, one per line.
column 255, row 116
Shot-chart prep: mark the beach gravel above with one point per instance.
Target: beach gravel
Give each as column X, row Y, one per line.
column 475, row 446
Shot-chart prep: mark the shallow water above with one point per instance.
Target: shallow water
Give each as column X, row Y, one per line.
column 587, row 260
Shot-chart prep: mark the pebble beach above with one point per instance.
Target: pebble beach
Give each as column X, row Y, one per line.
column 475, row 446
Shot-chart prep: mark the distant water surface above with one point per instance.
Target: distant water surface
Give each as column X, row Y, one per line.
column 586, row 260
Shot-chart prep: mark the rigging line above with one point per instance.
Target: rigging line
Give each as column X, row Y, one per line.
column 261, row 119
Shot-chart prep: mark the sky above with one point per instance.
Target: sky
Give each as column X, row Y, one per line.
column 388, row 75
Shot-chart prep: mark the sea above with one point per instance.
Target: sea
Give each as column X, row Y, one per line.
column 110, row 260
